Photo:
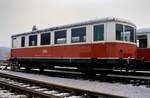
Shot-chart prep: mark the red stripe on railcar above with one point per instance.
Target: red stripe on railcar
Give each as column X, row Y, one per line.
column 97, row 50
column 144, row 52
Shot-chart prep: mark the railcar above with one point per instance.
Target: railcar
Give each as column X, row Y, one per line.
column 100, row 43
column 143, row 50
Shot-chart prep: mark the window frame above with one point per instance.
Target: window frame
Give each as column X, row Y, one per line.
column 54, row 37
column 131, row 40
column 23, row 41
column 36, row 44
column 78, row 27
column 93, row 28
column 123, row 39
column 48, row 41
column 143, row 37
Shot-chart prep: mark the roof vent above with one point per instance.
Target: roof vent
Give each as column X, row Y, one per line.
column 34, row 28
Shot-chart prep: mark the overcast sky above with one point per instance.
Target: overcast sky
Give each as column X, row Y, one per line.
column 17, row 16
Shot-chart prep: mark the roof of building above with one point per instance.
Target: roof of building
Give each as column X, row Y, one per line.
column 108, row 19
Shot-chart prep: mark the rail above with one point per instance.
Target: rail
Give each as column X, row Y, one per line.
column 69, row 91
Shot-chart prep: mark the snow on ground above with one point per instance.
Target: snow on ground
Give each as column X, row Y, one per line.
column 115, row 88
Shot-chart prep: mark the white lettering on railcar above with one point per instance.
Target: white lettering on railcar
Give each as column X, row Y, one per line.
column 44, row 51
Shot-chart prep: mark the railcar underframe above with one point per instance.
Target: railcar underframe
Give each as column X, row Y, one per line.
column 93, row 65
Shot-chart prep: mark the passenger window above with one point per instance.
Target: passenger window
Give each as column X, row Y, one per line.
column 98, row 32
column 119, row 32
column 33, row 40
column 60, row 37
column 142, row 41
column 78, row 35
column 22, row 41
column 45, row 39
column 129, row 33
column 125, row 33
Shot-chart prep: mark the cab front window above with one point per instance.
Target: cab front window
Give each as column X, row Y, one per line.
column 125, row 33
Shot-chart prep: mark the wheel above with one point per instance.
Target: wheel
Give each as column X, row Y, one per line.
column 27, row 68
column 42, row 69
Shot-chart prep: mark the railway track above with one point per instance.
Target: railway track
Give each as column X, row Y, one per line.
column 136, row 79
column 8, row 94
column 38, row 89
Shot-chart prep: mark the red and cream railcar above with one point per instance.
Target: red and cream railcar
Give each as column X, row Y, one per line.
column 102, row 41
column 143, row 40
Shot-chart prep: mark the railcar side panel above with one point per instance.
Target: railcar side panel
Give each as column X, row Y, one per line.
column 144, row 53
column 97, row 50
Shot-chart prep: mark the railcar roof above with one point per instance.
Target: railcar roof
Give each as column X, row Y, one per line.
column 143, row 30
column 103, row 20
